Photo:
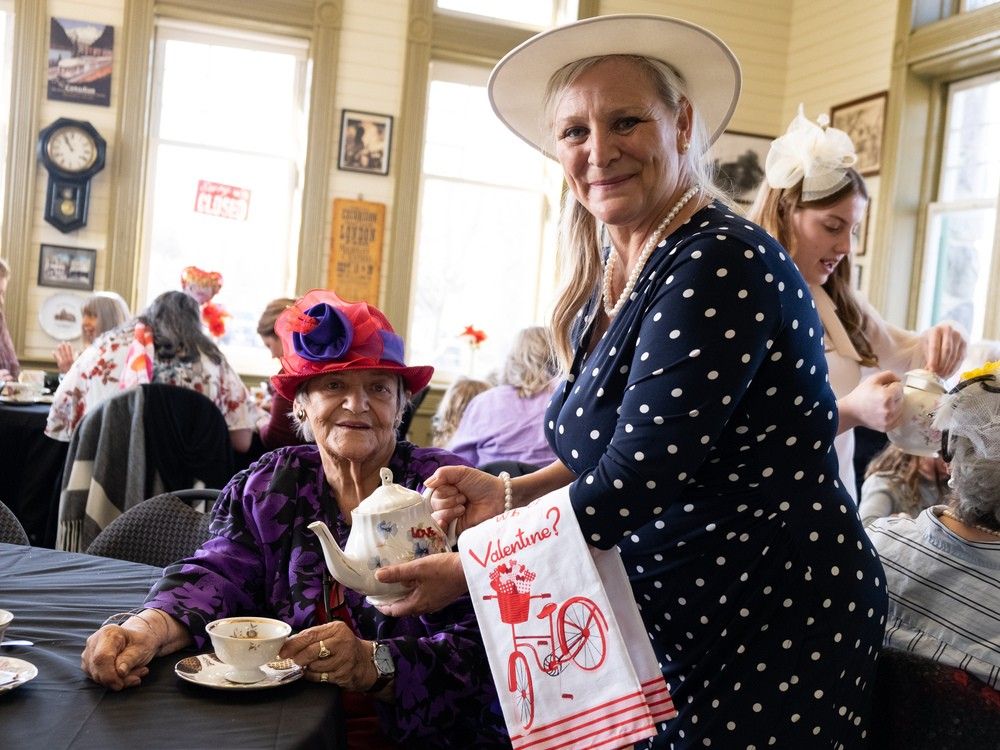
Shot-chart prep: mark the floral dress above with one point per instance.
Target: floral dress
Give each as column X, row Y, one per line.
column 96, row 376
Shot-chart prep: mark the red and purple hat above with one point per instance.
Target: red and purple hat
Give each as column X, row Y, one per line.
column 322, row 333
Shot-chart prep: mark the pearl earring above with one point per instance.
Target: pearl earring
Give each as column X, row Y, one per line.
column 300, row 415
column 685, row 145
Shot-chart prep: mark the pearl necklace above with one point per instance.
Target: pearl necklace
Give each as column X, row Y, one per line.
column 948, row 512
column 647, row 250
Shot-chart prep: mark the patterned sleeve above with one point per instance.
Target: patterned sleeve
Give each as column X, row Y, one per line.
column 444, row 689
column 702, row 337
column 234, row 399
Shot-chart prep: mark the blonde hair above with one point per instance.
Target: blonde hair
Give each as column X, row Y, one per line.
column 580, row 253
column 904, row 468
column 452, row 407
column 265, row 325
column 531, row 364
column 110, row 309
column 773, row 208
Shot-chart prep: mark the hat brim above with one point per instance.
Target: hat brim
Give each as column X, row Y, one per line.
column 414, row 378
column 709, row 68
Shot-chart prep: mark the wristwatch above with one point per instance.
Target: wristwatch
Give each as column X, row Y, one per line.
column 384, row 665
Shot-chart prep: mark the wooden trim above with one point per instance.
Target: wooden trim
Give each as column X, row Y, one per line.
column 128, row 163
column 264, row 16
column 476, row 39
column 409, row 148
column 955, row 34
column 31, row 28
column 324, row 54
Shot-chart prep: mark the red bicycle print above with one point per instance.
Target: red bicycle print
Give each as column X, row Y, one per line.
column 577, row 634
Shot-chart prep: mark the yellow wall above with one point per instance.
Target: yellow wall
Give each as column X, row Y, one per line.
column 791, row 50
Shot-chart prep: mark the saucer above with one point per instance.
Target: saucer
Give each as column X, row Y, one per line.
column 209, row 671
column 24, row 670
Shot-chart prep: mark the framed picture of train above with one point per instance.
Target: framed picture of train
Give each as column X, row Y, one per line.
column 80, row 57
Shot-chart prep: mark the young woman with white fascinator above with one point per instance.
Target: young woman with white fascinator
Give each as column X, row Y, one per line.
column 812, row 201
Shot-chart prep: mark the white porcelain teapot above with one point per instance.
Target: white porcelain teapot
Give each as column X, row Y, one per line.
column 392, row 525
column 915, row 433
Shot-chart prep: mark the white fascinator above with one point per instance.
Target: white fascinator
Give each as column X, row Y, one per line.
column 815, row 154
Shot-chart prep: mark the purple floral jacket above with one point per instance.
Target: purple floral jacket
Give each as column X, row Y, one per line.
column 263, row 560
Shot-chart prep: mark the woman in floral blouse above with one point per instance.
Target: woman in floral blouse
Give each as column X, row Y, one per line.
column 343, row 371
column 165, row 345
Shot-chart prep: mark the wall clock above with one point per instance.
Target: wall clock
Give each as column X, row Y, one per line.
column 72, row 152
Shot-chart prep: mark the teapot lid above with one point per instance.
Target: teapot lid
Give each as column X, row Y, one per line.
column 388, row 496
column 924, row 380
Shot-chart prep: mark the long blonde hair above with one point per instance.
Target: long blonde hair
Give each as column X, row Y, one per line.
column 449, row 412
column 773, row 208
column 580, row 255
column 905, row 469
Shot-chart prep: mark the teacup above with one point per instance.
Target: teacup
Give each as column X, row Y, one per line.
column 32, row 377
column 6, row 618
column 21, row 391
column 247, row 644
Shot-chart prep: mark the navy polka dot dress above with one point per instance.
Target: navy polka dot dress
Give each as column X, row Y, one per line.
column 700, row 429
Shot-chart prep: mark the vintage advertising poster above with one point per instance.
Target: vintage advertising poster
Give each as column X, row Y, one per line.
column 356, row 250
column 80, row 56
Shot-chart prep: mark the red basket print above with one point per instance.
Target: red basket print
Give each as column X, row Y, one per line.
column 514, row 606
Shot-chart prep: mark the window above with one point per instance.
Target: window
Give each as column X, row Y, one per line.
column 960, row 224
column 6, row 65
column 485, row 244
column 227, row 137
column 534, row 13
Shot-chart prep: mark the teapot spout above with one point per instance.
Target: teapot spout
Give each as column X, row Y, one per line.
column 339, row 565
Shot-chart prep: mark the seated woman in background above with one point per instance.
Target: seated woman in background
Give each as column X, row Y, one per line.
column 432, row 682
column 173, row 349
column 506, row 423
column 452, row 407
column 276, row 428
column 102, row 312
column 941, row 568
column 899, row 483
column 9, row 366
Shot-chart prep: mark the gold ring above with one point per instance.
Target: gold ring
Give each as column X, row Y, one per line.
column 324, row 676
column 323, row 651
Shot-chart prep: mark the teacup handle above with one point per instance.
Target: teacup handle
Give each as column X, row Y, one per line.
column 450, row 534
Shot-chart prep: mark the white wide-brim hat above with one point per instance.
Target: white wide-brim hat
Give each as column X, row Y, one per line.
column 709, row 69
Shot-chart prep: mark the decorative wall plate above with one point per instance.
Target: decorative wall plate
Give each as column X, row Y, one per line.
column 60, row 316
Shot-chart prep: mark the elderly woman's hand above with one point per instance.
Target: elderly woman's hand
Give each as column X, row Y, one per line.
column 470, row 495
column 64, row 357
column 116, row 655
column 944, row 347
column 347, row 661
column 437, row 581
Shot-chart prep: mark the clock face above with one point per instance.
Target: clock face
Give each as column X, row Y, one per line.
column 71, row 149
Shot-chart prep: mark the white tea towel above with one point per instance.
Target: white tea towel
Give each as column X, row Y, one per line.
column 573, row 665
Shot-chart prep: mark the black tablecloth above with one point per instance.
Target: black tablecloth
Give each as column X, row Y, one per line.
column 31, row 467
column 58, row 599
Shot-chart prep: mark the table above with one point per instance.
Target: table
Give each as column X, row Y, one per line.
column 58, row 599
column 31, row 467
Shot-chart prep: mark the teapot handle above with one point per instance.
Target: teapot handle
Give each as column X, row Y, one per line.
column 450, row 534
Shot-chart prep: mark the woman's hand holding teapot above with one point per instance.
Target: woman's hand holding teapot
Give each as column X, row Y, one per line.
column 470, row 495
column 876, row 403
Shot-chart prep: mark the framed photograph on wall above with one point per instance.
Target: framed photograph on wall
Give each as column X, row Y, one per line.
column 67, row 267
column 365, row 139
column 737, row 161
column 864, row 121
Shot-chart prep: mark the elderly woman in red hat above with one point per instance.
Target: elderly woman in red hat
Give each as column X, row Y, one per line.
column 344, row 372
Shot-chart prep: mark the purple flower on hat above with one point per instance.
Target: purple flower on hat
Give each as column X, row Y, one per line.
column 329, row 340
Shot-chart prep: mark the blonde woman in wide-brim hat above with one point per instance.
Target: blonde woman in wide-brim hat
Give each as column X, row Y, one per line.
column 696, row 423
